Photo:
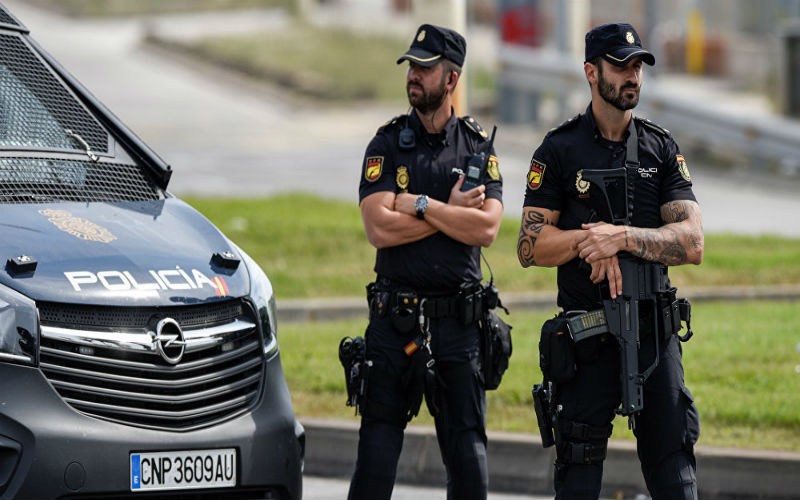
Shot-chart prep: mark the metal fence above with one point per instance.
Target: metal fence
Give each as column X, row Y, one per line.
column 723, row 123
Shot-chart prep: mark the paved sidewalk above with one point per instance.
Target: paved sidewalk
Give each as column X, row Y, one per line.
column 518, row 464
column 356, row 307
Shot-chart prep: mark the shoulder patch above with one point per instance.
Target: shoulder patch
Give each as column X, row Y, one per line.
column 565, row 125
column 683, row 168
column 373, row 168
column 536, row 174
column 652, row 126
column 474, row 126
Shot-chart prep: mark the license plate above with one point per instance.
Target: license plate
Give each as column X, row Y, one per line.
column 177, row 470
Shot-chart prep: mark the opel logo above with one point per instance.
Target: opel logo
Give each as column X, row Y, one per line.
column 169, row 341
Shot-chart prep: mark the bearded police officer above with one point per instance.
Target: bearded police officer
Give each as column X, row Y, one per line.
column 566, row 223
column 423, row 332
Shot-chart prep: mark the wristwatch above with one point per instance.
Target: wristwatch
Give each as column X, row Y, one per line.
column 421, row 205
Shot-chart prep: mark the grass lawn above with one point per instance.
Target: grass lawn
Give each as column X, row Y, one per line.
column 313, row 247
column 741, row 365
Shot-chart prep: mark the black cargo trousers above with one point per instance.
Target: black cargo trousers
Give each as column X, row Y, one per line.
column 666, row 429
column 460, row 399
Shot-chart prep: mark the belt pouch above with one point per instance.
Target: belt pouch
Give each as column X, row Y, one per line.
column 405, row 311
column 557, row 351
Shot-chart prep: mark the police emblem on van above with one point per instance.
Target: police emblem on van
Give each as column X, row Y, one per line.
column 78, row 227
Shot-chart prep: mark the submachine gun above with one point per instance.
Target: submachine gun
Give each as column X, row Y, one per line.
column 647, row 297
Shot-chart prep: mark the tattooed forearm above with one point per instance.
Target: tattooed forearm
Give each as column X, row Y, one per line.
column 532, row 224
column 675, row 211
column 679, row 241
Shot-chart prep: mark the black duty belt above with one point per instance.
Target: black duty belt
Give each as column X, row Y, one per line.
column 465, row 304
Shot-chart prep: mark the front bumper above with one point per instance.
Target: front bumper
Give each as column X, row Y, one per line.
column 50, row 450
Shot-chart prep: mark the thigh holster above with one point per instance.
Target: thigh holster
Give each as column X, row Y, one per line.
column 578, row 443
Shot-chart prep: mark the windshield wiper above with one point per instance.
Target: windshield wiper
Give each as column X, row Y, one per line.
column 83, row 143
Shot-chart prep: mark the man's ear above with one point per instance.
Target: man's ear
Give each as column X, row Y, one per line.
column 591, row 72
column 452, row 79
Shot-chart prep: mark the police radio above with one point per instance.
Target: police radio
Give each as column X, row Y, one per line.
column 476, row 165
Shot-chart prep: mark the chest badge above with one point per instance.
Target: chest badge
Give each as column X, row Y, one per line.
column 536, row 174
column 374, row 168
column 402, row 178
column 580, row 184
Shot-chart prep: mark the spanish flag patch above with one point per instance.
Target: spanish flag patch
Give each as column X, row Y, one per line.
column 374, row 168
column 536, row 174
column 411, row 347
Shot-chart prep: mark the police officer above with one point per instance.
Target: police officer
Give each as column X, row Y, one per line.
column 428, row 234
column 558, row 229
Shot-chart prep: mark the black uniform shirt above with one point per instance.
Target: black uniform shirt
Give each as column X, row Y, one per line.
column 555, row 183
column 437, row 263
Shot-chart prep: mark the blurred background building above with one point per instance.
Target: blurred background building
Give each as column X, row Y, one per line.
column 754, row 46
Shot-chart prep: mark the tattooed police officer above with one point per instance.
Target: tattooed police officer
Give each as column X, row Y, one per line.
column 424, row 305
column 565, row 223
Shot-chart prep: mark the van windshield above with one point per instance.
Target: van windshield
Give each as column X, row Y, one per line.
column 37, row 111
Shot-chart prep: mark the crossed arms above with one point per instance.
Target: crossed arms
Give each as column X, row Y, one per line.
column 678, row 241
column 390, row 219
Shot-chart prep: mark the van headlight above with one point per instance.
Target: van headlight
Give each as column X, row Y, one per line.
column 264, row 299
column 19, row 328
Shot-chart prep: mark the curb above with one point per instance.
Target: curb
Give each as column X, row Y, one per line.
column 519, row 464
column 294, row 310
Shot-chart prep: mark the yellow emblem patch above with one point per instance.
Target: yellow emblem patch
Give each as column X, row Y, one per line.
column 77, row 227
column 374, row 168
column 536, row 174
column 580, row 184
column 683, row 168
column 402, row 178
column 493, row 168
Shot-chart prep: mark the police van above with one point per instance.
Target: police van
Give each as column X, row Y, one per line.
column 138, row 345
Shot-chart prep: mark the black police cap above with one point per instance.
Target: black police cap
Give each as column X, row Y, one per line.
column 617, row 43
column 432, row 43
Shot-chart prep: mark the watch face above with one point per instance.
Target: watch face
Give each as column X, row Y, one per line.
column 421, row 204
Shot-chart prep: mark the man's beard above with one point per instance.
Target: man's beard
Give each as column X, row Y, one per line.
column 427, row 102
column 616, row 97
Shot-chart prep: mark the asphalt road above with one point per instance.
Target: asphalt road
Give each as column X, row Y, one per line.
column 316, row 488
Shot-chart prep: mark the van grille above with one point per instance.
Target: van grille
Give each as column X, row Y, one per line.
column 104, row 362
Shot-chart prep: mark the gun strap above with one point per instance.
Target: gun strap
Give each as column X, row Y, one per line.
column 632, row 146
column 631, row 166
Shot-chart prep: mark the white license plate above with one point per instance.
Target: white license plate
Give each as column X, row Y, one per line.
column 177, row 470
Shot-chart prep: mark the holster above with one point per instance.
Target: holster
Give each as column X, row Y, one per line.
column 496, row 349
column 352, row 356
column 675, row 311
column 544, row 417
